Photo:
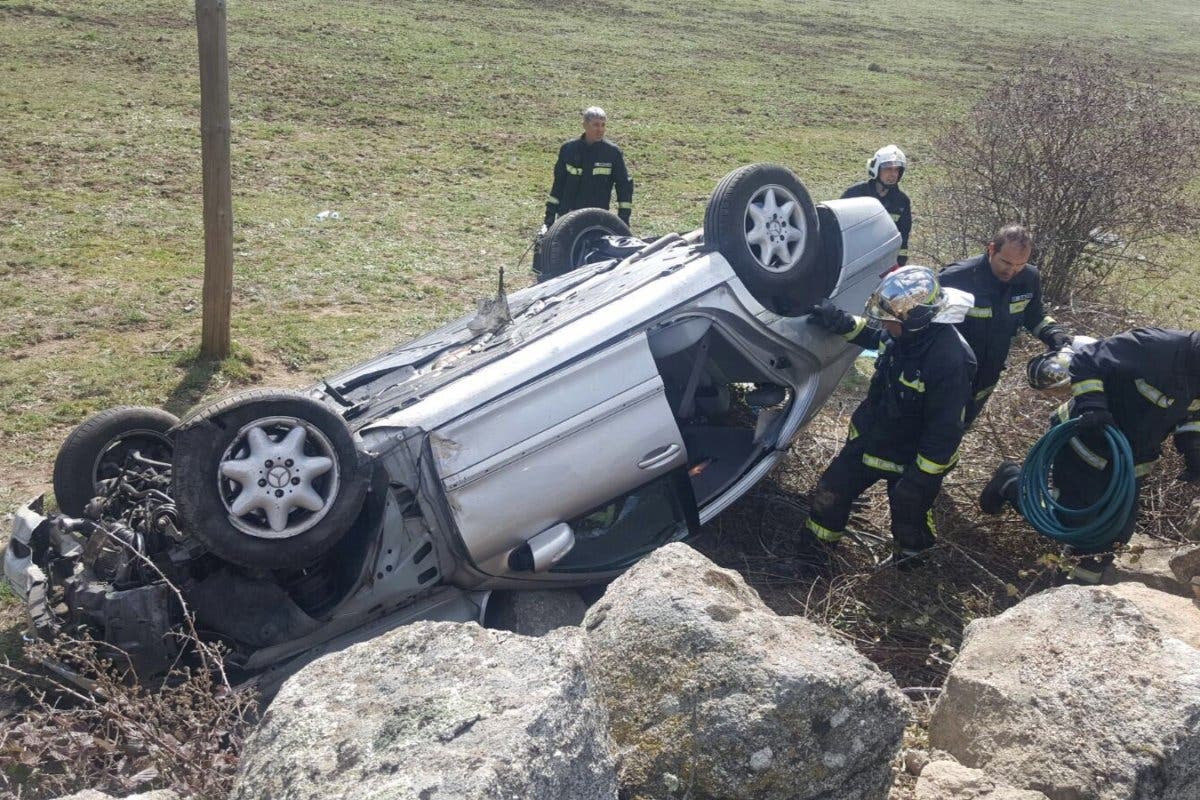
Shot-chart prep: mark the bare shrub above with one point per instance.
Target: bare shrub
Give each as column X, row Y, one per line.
column 118, row 735
column 108, row 730
column 1093, row 156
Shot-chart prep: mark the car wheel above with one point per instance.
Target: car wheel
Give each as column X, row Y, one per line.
column 762, row 220
column 268, row 479
column 571, row 237
column 100, row 446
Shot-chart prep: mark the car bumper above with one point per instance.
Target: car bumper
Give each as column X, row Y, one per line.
column 20, row 573
column 33, row 532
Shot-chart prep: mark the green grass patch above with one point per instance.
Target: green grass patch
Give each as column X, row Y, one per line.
column 431, row 130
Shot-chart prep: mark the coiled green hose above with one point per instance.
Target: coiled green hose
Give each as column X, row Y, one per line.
column 1091, row 528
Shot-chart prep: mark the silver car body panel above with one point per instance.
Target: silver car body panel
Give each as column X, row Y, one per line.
column 561, row 422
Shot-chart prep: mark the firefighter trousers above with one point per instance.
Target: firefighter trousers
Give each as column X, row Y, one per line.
column 847, row 477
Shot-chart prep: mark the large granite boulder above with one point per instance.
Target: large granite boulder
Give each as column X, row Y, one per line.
column 946, row 779
column 1185, row 564
column 436, row 710
column 1156, row 564
column 93, row 794
column 710, row 694
column 1080, row 693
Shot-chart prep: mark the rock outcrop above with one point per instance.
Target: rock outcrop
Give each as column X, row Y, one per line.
column 1080, row 693
column 436, row 710
column 92, row 794
column 710, row 694
column 948, row 780
column 1185, row 565
column 1157, row 565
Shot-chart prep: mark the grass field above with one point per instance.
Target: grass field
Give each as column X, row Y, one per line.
column 430, row 128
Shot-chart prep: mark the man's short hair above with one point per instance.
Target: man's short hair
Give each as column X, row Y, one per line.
column 1012, row 234
column 594, row 112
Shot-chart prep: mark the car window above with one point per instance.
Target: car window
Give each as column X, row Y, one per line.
column 619, row 532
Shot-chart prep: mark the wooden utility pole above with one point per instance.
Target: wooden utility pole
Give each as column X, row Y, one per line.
column 218, row 195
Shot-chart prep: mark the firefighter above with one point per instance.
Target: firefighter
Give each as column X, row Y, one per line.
column 907, row 429
column 587, row 170
column 1008, row 295
column 884, row 170
column 1146, row 382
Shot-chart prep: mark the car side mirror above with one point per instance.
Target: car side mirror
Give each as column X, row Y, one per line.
column 543, row 551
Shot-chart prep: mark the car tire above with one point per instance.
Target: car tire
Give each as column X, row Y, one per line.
column 268, row 479
column 565, row 244
column 762, row 220
column 95, row 450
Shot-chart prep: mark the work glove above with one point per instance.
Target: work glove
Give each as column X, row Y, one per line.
column 1095, row 420
column 1055, row 338
column 831, row 318
column 542, row 231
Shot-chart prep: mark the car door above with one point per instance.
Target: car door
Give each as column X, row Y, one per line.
column 559, row 447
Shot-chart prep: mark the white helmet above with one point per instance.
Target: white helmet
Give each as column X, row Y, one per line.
column 890, row 156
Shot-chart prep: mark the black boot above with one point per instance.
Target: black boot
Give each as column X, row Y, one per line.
column 1090, row 569
column 906, row 559
column 1001, row 488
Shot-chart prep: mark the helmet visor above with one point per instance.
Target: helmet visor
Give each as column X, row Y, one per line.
column 878, row 308
column 1049, row 370
column 890, row 163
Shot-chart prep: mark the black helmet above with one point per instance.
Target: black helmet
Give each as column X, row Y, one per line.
column 1049, row 370
column 1052, row 369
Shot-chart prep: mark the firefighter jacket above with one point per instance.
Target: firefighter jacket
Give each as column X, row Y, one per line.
column 912, row 418
column 1000, row 310
column 1149, row 380
column 896, row 203
column 584, row 176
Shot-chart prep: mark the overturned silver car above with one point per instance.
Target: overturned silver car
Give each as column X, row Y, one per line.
column 553, row 441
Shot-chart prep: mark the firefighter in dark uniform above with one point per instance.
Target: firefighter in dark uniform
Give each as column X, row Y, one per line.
column 907, row 429
column 885, row 169
column 1008, row 295
column 1146, row 382
column 587, row 170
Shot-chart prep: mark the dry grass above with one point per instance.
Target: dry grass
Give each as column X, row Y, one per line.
column 119, row 736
